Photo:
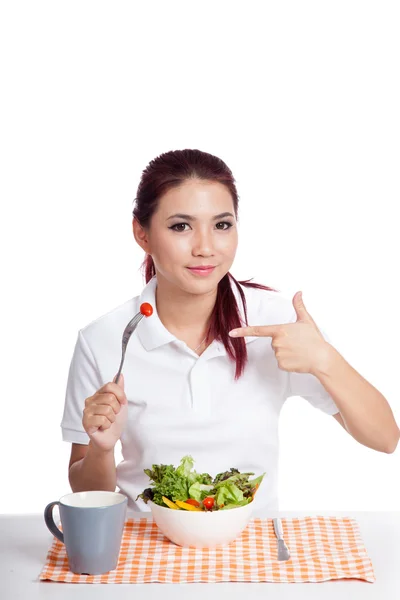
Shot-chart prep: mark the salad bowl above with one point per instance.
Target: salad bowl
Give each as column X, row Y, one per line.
column 196, row 510
column 203, row 529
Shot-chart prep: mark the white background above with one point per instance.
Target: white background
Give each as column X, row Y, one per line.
column 300, row 99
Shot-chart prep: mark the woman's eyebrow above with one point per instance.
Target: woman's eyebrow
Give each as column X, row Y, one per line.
column 190, row 218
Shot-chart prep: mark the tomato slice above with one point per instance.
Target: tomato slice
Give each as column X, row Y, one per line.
column 146, row 309
column 192, row 501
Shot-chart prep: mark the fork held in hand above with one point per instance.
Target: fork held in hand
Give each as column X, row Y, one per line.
column 146, row 310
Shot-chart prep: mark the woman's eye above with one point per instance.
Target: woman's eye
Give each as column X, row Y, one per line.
column 178, row 225
column 225, row 223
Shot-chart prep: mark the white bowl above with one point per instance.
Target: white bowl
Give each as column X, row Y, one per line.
column 201, row 529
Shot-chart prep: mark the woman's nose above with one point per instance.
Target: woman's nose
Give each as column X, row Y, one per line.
column 202, row 243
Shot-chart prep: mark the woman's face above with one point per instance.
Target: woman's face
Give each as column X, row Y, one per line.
column 206, row 236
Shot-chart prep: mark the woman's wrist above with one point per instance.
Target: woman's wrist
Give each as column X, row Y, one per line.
column 96, row 450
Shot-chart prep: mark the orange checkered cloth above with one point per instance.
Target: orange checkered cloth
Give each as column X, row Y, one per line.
column 322, row 548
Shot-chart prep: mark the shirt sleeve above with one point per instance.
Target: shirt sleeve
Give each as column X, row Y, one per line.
column 83, row 381
column 310, row 388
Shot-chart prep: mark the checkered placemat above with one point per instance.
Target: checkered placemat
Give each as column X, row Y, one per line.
column 322, row 548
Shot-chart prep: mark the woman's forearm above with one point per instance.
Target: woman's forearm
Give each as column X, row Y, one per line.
column 95, row 471
column 364, row 410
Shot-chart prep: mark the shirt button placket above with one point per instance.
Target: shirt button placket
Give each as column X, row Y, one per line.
column 200, row 388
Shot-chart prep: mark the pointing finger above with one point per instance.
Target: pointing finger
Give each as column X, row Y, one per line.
column 256, row 330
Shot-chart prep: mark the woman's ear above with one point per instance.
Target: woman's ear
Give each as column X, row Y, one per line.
column 141, row 236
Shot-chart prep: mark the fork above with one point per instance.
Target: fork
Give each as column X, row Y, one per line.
column 145, row 311
column 283, row 551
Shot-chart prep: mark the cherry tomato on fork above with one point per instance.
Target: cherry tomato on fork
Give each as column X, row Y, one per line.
column 146, row 309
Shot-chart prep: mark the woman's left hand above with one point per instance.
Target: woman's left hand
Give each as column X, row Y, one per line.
column 299, row 346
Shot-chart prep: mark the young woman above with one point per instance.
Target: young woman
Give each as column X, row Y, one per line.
column 189, row 386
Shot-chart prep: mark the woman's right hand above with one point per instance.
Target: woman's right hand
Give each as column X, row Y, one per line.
column 105, row 415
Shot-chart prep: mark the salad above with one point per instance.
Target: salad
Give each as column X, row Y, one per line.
column 182, row 488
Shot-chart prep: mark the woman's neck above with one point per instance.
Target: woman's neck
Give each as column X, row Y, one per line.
column 184, row 315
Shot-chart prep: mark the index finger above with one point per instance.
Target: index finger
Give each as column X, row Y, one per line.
column 256, row 330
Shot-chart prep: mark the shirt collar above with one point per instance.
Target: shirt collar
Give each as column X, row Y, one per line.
column 151, row 331
column 153, row 334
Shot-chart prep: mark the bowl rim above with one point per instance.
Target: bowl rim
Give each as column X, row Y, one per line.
column 198, row 512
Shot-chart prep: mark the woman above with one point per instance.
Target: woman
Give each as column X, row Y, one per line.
column 189, row 386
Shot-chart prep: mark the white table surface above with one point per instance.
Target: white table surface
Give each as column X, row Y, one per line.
column 25, row 540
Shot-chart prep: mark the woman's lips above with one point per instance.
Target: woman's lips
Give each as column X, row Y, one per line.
column 202, row 272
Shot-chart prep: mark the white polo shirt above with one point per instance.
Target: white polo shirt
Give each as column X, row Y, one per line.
column 180, row 403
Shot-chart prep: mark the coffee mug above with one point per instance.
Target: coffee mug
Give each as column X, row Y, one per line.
column 92, row 523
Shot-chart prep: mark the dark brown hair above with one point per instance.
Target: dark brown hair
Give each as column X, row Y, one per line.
column 170, row 170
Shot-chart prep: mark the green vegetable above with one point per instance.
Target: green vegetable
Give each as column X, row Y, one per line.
column 228, row 493
column 235, row 505
column 199, row 491
column 168, row 482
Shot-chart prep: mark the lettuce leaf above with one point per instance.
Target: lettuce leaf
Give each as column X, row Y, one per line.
column 199, row 491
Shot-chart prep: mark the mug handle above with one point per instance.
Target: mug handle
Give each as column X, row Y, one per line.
column 48, row 517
